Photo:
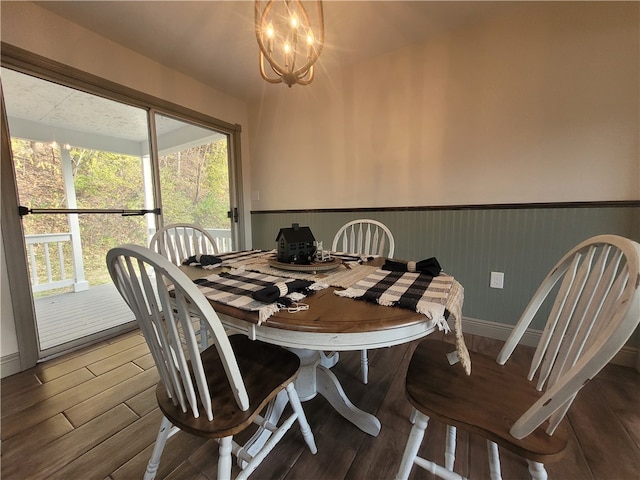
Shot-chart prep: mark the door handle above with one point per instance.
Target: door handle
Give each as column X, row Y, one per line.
column 233, row 216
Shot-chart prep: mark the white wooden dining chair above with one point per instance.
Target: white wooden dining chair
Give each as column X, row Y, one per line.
column 215, row 393
column 365, row 237
column 595, row 311
column 179, row 241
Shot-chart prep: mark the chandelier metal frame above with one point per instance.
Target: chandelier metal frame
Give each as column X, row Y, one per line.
column 282, row 59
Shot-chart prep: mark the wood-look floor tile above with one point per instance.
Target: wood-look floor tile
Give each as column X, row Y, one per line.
column 48, row 460
column 18, row 383
column 395, row 409
column 332, row 461
column 378, row 457
column 624, row 400
column 47, row 372
column 186, row 471
column 205, row 460
column 145, row 362
column 12, row 403
column 39, row 412
column 107, row 456
column 618, row 373
column 144, row 402
column 26, row 443
column 572, row 465
column 595, row 425
column 109, row 398
column 109, row 363
column 176, row 452
column 284, row 456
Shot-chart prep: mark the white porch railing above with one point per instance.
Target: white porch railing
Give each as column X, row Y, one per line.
column 50, row 255
column 52, row 265
column 222, row 236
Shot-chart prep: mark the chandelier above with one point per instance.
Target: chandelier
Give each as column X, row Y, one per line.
column 287, row 41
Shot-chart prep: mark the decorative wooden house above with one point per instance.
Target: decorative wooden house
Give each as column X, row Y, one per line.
column 296, row 245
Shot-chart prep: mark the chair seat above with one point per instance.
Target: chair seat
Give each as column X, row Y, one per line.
column 266, row 370
column 487, row 403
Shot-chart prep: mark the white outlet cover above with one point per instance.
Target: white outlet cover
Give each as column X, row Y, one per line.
column 497, row 280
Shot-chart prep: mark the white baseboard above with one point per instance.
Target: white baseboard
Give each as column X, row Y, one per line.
column 9, row 364
column 627, row 356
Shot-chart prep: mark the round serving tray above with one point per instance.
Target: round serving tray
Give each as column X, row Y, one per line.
column 312, row 267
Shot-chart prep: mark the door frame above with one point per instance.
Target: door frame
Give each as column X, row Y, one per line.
column 13, row 241
column 26, row 62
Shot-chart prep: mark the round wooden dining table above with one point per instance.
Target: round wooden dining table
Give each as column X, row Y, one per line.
column 330, row 324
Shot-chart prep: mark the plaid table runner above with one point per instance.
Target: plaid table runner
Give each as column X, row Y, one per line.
column 228, row 259
column 420, row 293
column 243, row 256
column 438, row 298
column 235, row 288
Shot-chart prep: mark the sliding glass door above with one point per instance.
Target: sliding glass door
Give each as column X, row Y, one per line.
column 88, row 179
column 82, row 170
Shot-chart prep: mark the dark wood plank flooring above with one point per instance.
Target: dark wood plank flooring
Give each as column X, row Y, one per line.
column 92, row 414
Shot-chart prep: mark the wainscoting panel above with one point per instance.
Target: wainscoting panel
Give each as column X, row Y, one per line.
column 523, row 242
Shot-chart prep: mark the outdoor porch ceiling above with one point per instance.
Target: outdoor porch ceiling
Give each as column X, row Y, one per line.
column 47, row 112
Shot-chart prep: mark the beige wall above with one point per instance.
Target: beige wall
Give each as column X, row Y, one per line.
column 540, row 105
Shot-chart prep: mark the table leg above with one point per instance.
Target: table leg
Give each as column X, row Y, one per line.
column 316, row 378
column 329, row 387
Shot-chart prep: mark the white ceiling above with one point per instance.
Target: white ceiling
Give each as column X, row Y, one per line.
column 214, row 41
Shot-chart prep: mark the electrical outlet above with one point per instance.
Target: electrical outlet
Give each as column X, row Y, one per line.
column 497, row 280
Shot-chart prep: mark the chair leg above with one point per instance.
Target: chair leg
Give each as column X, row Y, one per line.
column 364, row 364
column 204, row 336
column 450, row 448
column 302, row 419
column 161, row 440
column 224, row 460
column 537, row 470
column 413, row 445
column 414, row 415
column 494, row 461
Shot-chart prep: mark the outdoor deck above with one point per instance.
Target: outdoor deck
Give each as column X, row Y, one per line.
column 66, row 317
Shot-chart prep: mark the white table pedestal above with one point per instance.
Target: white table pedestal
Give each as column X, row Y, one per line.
column 315, row 378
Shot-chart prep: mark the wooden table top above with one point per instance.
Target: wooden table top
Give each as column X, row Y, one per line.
column 329, row 313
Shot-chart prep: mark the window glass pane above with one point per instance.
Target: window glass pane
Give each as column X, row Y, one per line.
column 194, row 177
